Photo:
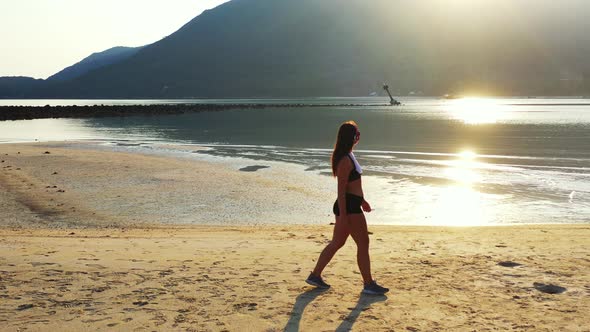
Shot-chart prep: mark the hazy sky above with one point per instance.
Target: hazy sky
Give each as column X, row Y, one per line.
column 41, row 37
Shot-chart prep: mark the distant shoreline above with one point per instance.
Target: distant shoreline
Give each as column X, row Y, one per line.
column 96, row 111
column 16, row 112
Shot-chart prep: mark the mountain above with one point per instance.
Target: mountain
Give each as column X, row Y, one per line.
column 290, row 48
column 95, row 61
column 18, row 86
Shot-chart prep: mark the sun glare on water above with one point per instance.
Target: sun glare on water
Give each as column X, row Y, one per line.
column 463, row 169
column 476, row 111
column 459, row 204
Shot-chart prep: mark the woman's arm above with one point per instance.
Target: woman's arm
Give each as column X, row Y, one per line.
column 366, row 206
column 342, row 172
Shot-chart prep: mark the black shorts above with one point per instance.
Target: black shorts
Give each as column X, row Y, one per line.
column 353, row 205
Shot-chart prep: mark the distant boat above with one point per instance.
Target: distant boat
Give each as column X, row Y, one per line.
column 373, row 94
column 451, row 96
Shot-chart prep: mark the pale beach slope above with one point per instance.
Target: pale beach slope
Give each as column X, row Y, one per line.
column 94, row 253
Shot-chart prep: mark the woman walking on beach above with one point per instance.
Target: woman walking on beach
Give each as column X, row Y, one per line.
column 348, row 208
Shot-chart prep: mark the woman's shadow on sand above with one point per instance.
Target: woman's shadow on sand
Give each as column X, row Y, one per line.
column 307, row 297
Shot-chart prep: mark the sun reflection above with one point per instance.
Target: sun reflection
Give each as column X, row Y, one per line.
column 477, row 110
column 467, row 155
column 46, row 130
column 463, row 170
column 459, row 204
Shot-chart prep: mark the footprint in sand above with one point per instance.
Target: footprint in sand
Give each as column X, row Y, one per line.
column 99, row 289
column 98, row 266
column 24, row 307
column 549, row 288
column 35, row 264
column 253, row 168
column 165, row 273
column 509, row 264
column 246, row 306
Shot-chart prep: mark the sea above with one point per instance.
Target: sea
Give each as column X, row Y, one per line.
column 430, row 161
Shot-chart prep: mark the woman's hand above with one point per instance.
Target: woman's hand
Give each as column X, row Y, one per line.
column 366, row 206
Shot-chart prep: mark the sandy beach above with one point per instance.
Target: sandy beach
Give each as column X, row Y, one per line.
column 101, row 240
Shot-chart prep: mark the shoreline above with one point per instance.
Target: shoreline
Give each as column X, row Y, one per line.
column 111, row 185
column 85, row 245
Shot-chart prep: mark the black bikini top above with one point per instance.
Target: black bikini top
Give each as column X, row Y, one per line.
column 354, row 174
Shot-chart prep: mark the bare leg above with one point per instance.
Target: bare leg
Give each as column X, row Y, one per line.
column 357, row 225
column 339, row 237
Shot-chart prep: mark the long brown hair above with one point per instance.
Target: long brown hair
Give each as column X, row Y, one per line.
column 344, row 143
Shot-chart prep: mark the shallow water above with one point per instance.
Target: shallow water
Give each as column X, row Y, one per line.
column 431, row 161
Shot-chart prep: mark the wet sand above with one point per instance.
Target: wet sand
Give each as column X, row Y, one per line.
column 107, row 253
column 86, row 184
